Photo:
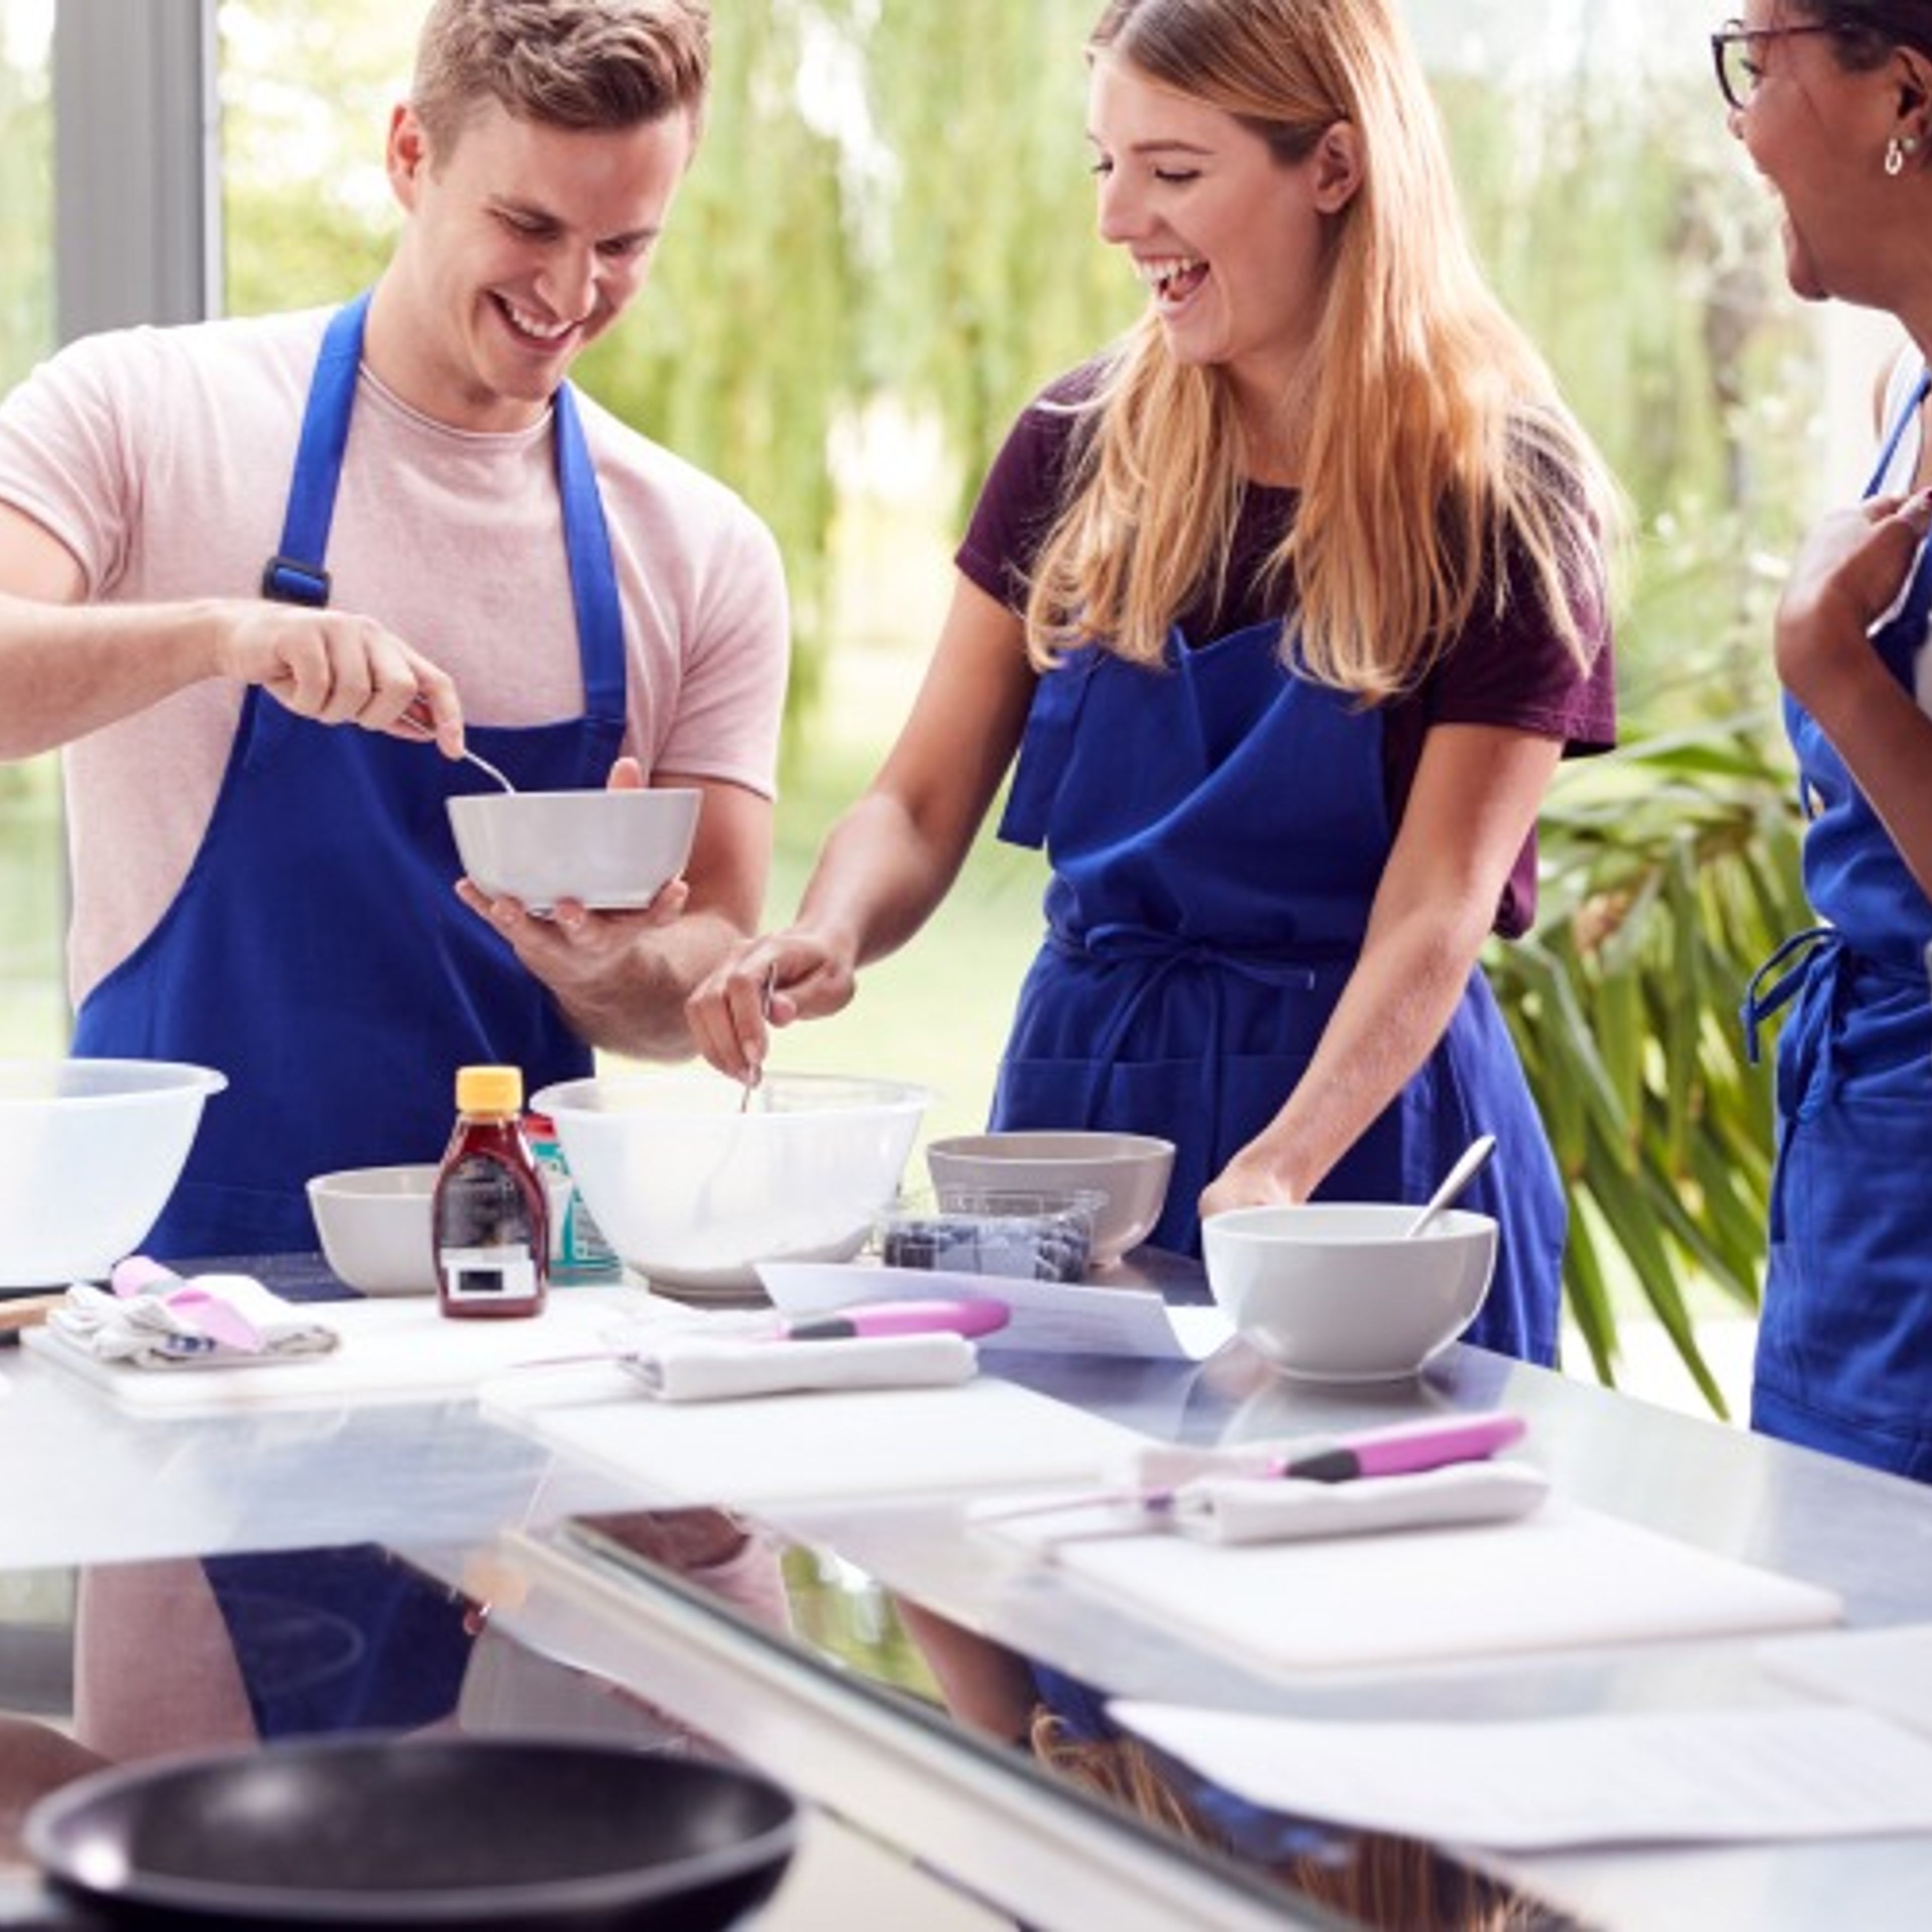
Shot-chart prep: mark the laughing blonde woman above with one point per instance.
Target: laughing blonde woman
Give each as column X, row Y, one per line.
column 1281, row 611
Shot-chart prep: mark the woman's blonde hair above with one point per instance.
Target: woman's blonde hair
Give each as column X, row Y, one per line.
column 1439, row 464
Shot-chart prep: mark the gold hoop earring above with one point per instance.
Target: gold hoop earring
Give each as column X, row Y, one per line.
column 1896, row 149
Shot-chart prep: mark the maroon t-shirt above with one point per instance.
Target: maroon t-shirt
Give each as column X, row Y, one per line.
column 1507, row 668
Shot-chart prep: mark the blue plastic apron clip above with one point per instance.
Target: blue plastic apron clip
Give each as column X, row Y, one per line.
column 287, row 580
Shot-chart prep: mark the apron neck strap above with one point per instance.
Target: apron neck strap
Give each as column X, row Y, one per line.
column 593, row 572
column 1905, row 417
column 298, row 574
column 295, row 575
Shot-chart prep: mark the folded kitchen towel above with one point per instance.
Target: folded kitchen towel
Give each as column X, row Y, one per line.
column 1262, row 1509
column 692, row 1368
column 156, row 1320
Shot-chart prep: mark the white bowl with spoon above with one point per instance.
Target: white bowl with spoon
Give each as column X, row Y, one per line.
column 612, row 850
column 1353, row 1291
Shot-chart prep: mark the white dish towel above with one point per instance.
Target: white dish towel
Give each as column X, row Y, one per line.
column 1249, row 1509
column 157, row 1320
column 694, row 1368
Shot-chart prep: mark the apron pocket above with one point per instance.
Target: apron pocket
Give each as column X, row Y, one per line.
column 1847, row 1328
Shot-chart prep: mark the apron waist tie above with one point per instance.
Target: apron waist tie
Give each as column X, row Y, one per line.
column 1776, row 983
column 1821, row 969
column 1790, row 970
column 1164, row 953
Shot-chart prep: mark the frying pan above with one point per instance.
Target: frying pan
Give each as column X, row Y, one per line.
column 368, row 1832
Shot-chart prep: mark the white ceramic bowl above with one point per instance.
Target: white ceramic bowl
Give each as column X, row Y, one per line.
column 693, row 1193
column 90, row 1150
column 1130, row 1170
column 1335, row 1292
column 376, row 1228
column 612, row 850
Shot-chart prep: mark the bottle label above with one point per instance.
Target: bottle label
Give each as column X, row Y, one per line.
column 587, row 1255
column 497, row 1274
column 485, row 1251
column 578, row 1251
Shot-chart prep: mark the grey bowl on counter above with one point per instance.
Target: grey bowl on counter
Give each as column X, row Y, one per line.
column 1130, row 1172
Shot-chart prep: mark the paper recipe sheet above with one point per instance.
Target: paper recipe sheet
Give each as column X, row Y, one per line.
column 1689, row 1777
column 1053, row 1318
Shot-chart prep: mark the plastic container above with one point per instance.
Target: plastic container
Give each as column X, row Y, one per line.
column 1132, row 1171
column 489, row 1217
column 1027, row 1236
column 578, row 1252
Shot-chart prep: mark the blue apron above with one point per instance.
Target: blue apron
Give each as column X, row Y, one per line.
column 1844, row 1345
column 348, row 1639
column 316, row 952
column 1217, row 829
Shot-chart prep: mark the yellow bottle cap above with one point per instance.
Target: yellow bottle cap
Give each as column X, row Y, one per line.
column 489, row 1090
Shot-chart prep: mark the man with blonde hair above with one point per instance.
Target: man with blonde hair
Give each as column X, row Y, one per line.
column 221, row 544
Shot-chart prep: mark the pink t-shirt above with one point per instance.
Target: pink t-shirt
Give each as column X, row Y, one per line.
column 161, row 458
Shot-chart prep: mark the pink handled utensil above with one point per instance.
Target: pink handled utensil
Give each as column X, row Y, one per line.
column 1402, row 1448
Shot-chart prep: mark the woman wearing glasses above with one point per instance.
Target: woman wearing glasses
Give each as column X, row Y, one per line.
column 1833, row 103
column 1287, row 605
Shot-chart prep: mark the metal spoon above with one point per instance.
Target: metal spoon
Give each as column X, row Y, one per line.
column 754, row 1072
column 418, row 723
column 484, row 765
column 1468, row 1165
column 705, row 1214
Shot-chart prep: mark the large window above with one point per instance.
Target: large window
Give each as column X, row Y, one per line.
column 32, row 880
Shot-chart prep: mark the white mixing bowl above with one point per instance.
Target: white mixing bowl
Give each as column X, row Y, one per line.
column 90, row 1150
column 1130, row 1171
column 693, row 1193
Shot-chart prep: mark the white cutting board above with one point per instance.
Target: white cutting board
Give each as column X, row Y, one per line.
column 1566, row 1576
column 398, row 1348
column 979, row 1435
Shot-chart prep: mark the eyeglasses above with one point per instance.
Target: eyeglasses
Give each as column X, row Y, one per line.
column 1734, row 52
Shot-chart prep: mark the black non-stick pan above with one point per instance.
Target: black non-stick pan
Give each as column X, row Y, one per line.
column 367, row 1831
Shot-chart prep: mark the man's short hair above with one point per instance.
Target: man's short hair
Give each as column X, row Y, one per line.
column 577, row 64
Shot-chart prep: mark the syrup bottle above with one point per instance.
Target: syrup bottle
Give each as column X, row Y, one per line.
column 490, row 1217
